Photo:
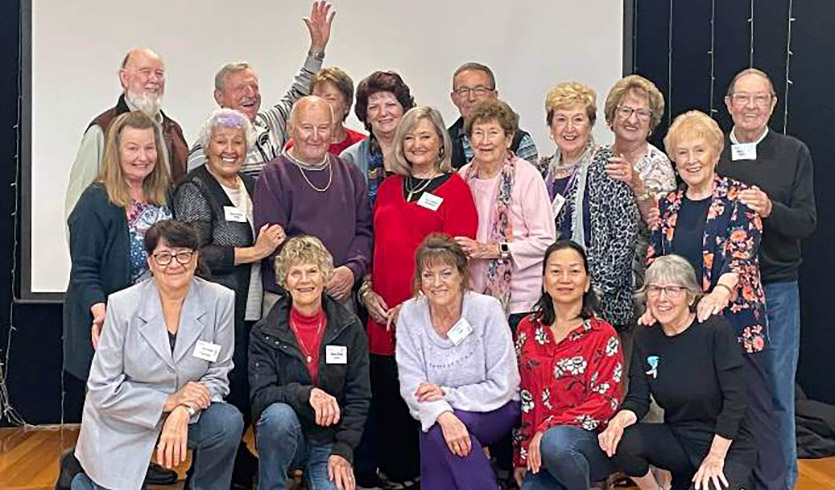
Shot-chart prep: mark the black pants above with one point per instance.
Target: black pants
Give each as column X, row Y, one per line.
column 390, row 439
column 661, row 446
column 75, row 390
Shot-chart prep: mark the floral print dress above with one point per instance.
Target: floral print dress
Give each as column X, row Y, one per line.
column 574, row 382
column 142, row 216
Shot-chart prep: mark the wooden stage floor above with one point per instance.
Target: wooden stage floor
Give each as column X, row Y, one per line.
column 29, row 460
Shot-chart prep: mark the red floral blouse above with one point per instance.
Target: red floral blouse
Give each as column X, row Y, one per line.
column 575, row 382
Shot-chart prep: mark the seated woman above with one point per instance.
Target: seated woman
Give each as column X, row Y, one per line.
column 571, row 366
column 458, row 373
column 591, row 208
column 160, row 373
column 695, row 371
column 308, row 375
column 515, row 222
column 705, row 222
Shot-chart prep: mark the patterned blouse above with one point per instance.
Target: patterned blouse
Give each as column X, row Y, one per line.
column 731, row 243
column 574, row 382
column 142, row 216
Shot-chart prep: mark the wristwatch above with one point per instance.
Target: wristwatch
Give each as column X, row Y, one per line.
column 504, row 251
column 191, row 411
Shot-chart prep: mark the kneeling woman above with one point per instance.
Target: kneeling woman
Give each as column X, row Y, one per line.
column 571, row 366
column 457, row 370
column 160, row 372
column 308, row 375
column 694, row 370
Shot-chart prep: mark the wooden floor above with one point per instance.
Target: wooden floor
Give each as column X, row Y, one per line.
column 29, row 460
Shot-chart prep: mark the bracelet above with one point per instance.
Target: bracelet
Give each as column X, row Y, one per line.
column 720, row 285
column 191, row 411
column 318, row 56
column 644, row 196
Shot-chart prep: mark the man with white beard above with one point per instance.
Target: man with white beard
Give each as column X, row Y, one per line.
column 142, row 76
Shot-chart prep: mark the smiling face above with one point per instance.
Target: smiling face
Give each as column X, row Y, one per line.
column 489, row 142
column 137, row 153
column 335, row 98
column 570, row 128
column 668, row 302
column 166, row 264
column 632, row 118
column 227, row 151
column 422, row 145
column 305, row 283
column 469, row 88
column 566, row 279
column 695, row 160
column 442, row 284
column 240, row 92
column 383, row 113
column 143, row 74
column 311, row 126
column 751, row 103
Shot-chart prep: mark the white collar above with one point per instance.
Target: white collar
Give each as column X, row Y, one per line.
column 736, row 141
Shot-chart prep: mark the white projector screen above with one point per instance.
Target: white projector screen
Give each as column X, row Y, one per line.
column 75, row 48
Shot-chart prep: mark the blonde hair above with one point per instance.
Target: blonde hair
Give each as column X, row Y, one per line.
column 694, row 124
column 339, row 79
column 568, row 94
column 640, row 86
column 302, row 249
column 401, row 165
column 111, row 176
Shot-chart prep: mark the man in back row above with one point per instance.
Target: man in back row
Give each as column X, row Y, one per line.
column 472, row 83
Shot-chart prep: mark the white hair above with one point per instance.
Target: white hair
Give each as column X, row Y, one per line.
column 226, row 118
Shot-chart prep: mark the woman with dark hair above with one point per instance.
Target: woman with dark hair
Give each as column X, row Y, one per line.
column 571, row 367
column 382, row 99
column 160, row 375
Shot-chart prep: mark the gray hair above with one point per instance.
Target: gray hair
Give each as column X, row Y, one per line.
column 750, row 71
column 473, row 66
column 226, row 118
column 673, row 269
column 401, row 165
column 229, row 69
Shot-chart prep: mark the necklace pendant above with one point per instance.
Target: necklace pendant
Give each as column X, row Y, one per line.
column 309, row 359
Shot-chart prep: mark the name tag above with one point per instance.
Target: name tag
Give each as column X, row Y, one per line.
column 336, row 354
column 557, row 204
column 459, row 331
column 430, row 201
column 234, row 214
column 206, row 351
column 744, row 151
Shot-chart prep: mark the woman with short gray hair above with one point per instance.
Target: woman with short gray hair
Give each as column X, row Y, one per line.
column 695, row 371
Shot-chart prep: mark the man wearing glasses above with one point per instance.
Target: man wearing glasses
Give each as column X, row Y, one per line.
column 779, row 169
column 472, row 83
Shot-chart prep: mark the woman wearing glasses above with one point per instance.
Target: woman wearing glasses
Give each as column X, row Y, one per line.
column 215, row 198
column 705, row 222
column 159, row 375
column 706, row 436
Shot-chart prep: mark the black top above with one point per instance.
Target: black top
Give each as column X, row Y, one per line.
column 419, row 186
column 689, row 232
column 172, row 339
column 457, row 135
column 783, row 170
column 697, row 377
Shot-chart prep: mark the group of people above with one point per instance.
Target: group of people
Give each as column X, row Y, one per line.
column 426, row 305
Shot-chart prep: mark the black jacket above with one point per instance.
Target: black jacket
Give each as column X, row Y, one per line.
column 99, row 252
column 278, row 373
column 457, row 135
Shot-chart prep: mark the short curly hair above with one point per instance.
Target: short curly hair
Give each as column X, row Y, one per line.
column 694, row 124
column 490, row 110
column 381, row 81
column 640, row 86
column 568, row 94
column 302, row 249
column 339, row 79
column 439, row 249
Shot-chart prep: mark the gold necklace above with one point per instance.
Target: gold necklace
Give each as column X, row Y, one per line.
column 418, row 188
column 330, row 174
column 303, row 348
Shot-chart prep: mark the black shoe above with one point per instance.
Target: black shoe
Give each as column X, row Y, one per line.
column 68, row 467
column 157, row 475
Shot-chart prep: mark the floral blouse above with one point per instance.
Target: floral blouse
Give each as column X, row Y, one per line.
column 142, row 216
column 574, row 382
column 731, row 243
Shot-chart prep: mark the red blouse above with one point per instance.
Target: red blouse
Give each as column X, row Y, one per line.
column 399, row 228
column 309, row 331
column 576, row 382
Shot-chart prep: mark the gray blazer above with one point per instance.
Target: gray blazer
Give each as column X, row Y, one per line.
column 134, row 371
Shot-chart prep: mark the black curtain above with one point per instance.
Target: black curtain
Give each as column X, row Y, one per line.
column 682, row 45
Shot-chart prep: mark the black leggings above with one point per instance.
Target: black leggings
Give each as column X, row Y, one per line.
column 658, row 445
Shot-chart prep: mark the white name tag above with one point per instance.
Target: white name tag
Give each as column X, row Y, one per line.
column 336, row 354
column 206, row 351
column 557, row 204
column 234, row 214
column 459, row 331
column 744, row 151
column 430, row 201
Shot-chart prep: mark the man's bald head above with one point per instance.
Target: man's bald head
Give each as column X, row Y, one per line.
column 143, row 79
column 310, row 103
column 311, row 127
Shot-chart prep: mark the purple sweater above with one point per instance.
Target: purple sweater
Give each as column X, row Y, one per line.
column 340, row 216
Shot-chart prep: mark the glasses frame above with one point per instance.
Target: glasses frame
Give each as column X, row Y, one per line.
column 174, row 256
column 626, row 112
column 760, row 100
column 478, row 91
column 670, row 291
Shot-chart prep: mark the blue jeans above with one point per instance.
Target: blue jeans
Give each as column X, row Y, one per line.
column 282, row 446
column 214, row 437
column 571, row 460
column 782, row 301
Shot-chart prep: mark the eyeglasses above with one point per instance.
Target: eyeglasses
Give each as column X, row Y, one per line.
column 672, row 291
column 761, row 100
column 626, row 112
column 478, row 91
column 184, row 257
